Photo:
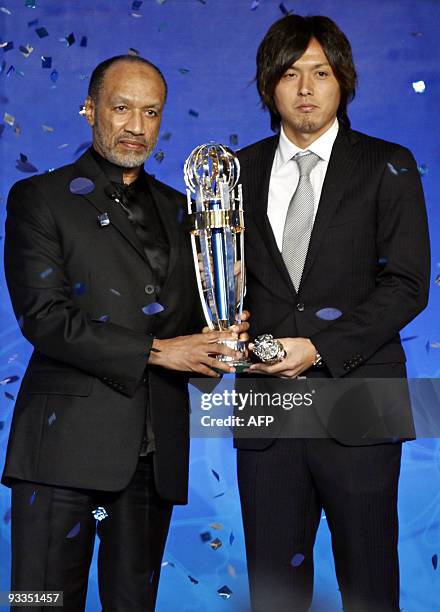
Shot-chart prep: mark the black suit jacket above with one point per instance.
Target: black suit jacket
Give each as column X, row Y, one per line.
column 78, row 288
column 368, row 257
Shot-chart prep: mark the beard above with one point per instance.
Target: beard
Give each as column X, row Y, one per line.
column 305, row 125
column 130, row 159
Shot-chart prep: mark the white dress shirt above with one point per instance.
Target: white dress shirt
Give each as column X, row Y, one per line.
column 284, row 177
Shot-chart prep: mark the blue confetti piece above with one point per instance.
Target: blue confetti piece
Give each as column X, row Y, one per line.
column 11, row 71
column 54, row 76
column 328, row 314
column 215, row 474
column 408, row 338
column 104, row 318
column 166, row 136
column 423, row 169
column 30, row 4
column 297, row 559
column 193, row 113
column 70, row 39
column 255, row 4
column 2, row 425
column 159, row 157
column 224, row 592
column 284, row 9
column 434, row 561
column 428, row 347
column 183, row 70
column 9, row 379
column 205, row 536
column 42, row 32
column 153, row 309
column 7, row 516
column 33, row 23
column 231, row 538
column 51, row 420
column 136, row 5
column 9, row 396
column 437, row 280
column 193, row 580
column 79, row 288
column 83, row 42
column 81, row 185
column 46, row 61
column 219, row 495
column 32, row 498
column 7, row 46
column 23, row 165
column 46, row 273
column 382, row 261
column 74, row 531
column 100, row 513
column 233, row 139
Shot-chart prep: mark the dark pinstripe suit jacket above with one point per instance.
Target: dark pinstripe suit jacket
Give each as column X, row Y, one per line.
column 368, row 256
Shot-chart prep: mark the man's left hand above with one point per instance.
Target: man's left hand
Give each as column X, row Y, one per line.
column 300, row 355
column 239, row 328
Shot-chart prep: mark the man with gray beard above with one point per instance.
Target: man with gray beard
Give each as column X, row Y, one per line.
column 101, row 279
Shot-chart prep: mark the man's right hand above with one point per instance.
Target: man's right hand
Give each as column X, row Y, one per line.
column 195, row 353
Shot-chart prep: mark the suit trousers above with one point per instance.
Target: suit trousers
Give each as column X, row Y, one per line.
column 53, row 534
column 283, row 490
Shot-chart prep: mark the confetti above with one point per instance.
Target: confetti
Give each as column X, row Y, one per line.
column 255, row 4
column 9, row 119
column 83, row 42
column 47, row 128
column 419, row 86
column 233, row 139
column 30, row 3
column 9, row 396
column 63, row 146
column 161, row 1
column 46, row 62
column 408, row 338
column 52, row 419
column 54, row 76
column 79, row 288
column 103, row 220
column 183, row 70
column 26, row 50
column 17, row 129
column 103, row 319
column 32, row 498
column 394, row 170
column 224, row 592
column 32, row 23
column 74, row 531
column 166, row 136
column 423, row 169
column 11, row 71
column 205, row 536
column 231, row 538
column 2, row 424
column 81, row 185
column 115, row 292
column 5, row 10
column 3, row 66
column 46, row 273
column 153, row 308
column 216, row 526
column 232, row 571
column 416, row 33
column 328, row 314
column 7, row 516
column 70, row 39
column 428, row 347
column 297, row 559
column 219, row 495
column 159, row 157
column 7, row 46
column 382, row 261
column 12, row 358
column 9, row 380
column 434, row 561
column 41, row 32
column 165, row 563
column 435, row 345
column 216, row 544
column 136, row 5
column 193, row 113
column 215, row 474
column 100, row 513
column 283, row 9
column 2, row 129
column 24, row 165
column 437, row 279
column 132, row 51
column 193, row 580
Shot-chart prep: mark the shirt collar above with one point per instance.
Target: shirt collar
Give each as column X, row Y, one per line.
column 322, row 146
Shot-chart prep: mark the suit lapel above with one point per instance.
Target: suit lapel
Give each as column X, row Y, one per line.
column 87, row 167
column 343, row 158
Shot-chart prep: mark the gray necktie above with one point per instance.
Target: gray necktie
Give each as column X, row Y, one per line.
column 299, row 219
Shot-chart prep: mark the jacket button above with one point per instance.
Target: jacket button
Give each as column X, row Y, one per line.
column 149, row 289
column 300, row 306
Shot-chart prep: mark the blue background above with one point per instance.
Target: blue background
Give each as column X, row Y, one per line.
column 206, row 48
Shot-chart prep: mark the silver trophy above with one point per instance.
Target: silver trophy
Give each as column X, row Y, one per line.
column 215, row 208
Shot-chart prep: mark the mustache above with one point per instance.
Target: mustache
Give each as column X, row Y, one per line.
column 130, row 138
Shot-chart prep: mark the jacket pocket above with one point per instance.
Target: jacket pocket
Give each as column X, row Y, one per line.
column 53, row 382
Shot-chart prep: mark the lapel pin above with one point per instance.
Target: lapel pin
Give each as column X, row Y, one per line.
column 104, row 220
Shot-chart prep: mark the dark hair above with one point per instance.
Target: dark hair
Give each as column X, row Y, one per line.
column 285, row 42
column 97, row 78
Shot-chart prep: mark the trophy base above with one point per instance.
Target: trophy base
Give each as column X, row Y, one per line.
column 240, row 365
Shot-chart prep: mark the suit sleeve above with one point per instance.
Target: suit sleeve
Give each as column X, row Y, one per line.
column 44, row 304
column 402, row 282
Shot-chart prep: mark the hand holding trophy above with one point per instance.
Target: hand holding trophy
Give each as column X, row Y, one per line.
column 217, row 237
